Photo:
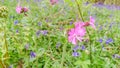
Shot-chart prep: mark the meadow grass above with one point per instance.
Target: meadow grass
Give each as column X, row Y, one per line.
column 50, row 48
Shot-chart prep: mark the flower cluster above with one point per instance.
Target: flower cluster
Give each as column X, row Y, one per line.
column 20, row 9
column 77, row 47
column 78, row 32
column 107, row 41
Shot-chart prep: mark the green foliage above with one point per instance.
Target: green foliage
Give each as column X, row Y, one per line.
column 56, row 20
column 3, row 12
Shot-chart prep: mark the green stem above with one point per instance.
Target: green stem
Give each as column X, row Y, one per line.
column 63, row 56
column 1, row 64
column 80, row 13
column 91, row 60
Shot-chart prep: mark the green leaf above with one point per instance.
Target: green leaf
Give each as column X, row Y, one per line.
column 84, row 64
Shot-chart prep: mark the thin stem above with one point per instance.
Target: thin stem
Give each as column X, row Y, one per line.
column 87, row 32
column 91, row 60
column 1, row 64
column 80, row 13
column 63, row 56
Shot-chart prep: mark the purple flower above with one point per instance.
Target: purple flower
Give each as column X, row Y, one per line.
column 58, row 45
column 109, row 40
column 15, row 22
column 111, row 25
column 44, row 32
column 11, row 66
column 75, row 54
column 82, row 47
column 86, row 3
column 100, row 3
column 76, row 47
column 100, row 40
column 32, row 54
column 119, row 56
column 17, row 31
column 116, row 56
column 39, row 23
column 71, row 23
column 38, row 32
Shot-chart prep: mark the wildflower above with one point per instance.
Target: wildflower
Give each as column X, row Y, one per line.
column 15, row 22
column 39, row 23
column 100, row 40
column 17, row 31
column 86, row 3
column 44, row 32
column 32, row 54
column 18, row 9
column 76, row 48
column 110, row 26
column 79, row 31
column 71, row 23
column 53, row 2
column 76, row 33
column 116, row 56
column 73, row 35
column 25, row 9
column 82, row 47
column 80, row 24
column 11, row 66
column 91, row 23
column 75, row 54
column 38, row 32
column 109, row 40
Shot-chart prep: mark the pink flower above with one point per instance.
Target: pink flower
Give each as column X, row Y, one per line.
column 72, row 36
column 91, row 22
column 18, row 9
column 25, row 9
column 77, row 33
column 53, row 2
column 80, row 31
column 79, row 24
